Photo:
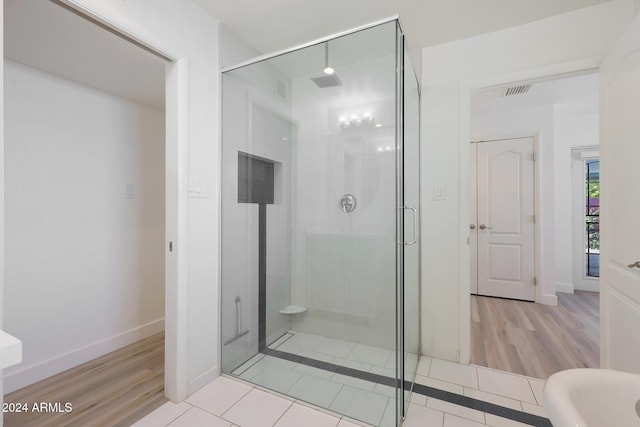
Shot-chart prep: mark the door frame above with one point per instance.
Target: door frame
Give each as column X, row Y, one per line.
column 537, row 248
column 176, row 194
column 466, row 89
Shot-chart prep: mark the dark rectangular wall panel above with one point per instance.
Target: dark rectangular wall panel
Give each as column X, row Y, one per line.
column 255, row 180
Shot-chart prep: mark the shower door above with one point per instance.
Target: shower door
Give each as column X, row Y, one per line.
column 408, row 205
column 320, row 275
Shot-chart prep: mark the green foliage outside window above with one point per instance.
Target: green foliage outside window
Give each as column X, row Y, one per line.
column 592, row 191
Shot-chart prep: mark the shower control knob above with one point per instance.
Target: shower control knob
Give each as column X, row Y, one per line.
column 347, row 203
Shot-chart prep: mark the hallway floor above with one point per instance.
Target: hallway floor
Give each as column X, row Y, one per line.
column 535, row 339
column 227, row 402
column 118, row 388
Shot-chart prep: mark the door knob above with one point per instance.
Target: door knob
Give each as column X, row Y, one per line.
column 472, row 226
column 482, row 227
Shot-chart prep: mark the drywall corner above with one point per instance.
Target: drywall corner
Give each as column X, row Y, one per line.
column 548, row 299
column 232, row 50
column 566, row 288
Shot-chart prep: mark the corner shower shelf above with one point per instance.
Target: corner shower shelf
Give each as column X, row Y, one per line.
column 293, row 309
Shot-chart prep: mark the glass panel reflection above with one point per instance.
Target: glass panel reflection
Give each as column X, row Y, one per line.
column 308, row 210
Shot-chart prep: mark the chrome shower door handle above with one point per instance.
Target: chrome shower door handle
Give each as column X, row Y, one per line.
column 415, row 225
column 238, row 316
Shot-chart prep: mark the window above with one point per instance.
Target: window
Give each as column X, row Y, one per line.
column 592, row 217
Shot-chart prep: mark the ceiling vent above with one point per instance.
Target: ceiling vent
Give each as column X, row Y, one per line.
column 516, row 90
column 327, row 81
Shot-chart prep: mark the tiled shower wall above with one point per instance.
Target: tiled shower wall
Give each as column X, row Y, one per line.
column 254, row 122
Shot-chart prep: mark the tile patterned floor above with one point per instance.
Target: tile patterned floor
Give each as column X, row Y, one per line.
column 363, row 357
column 230, row 402
column 361, row 399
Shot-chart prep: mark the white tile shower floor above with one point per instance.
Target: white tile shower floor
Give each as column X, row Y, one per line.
column 363, row 400
column 362, row 357
column 229, row 401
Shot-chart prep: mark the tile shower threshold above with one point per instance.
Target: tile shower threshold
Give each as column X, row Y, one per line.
column 457, row 399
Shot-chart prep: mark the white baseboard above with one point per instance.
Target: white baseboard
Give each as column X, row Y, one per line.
column 566, row 288
column 202, row 380
column 453, row 356
column 590, row 285
column 24, row 376
column 548, row 299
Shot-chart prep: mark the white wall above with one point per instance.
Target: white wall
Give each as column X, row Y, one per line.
column 344, row 263
column 84, row 261
column 554, row 44
column 2, row 269
column 186, row 33
column 572, row 129
column 232, row 50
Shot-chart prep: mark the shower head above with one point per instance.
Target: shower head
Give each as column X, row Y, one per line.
column 330, row 79
column 326, row 81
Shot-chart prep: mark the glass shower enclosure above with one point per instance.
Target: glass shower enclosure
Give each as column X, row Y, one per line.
column 320, row 226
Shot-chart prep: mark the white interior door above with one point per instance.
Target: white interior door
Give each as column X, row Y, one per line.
column 505, row 218
column 620, row 177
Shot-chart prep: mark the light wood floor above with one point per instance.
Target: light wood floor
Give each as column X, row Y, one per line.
column 116, row 389
column 534, row 339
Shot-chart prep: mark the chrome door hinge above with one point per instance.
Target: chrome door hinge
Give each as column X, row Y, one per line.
column 533, row 157
column 535, row 281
